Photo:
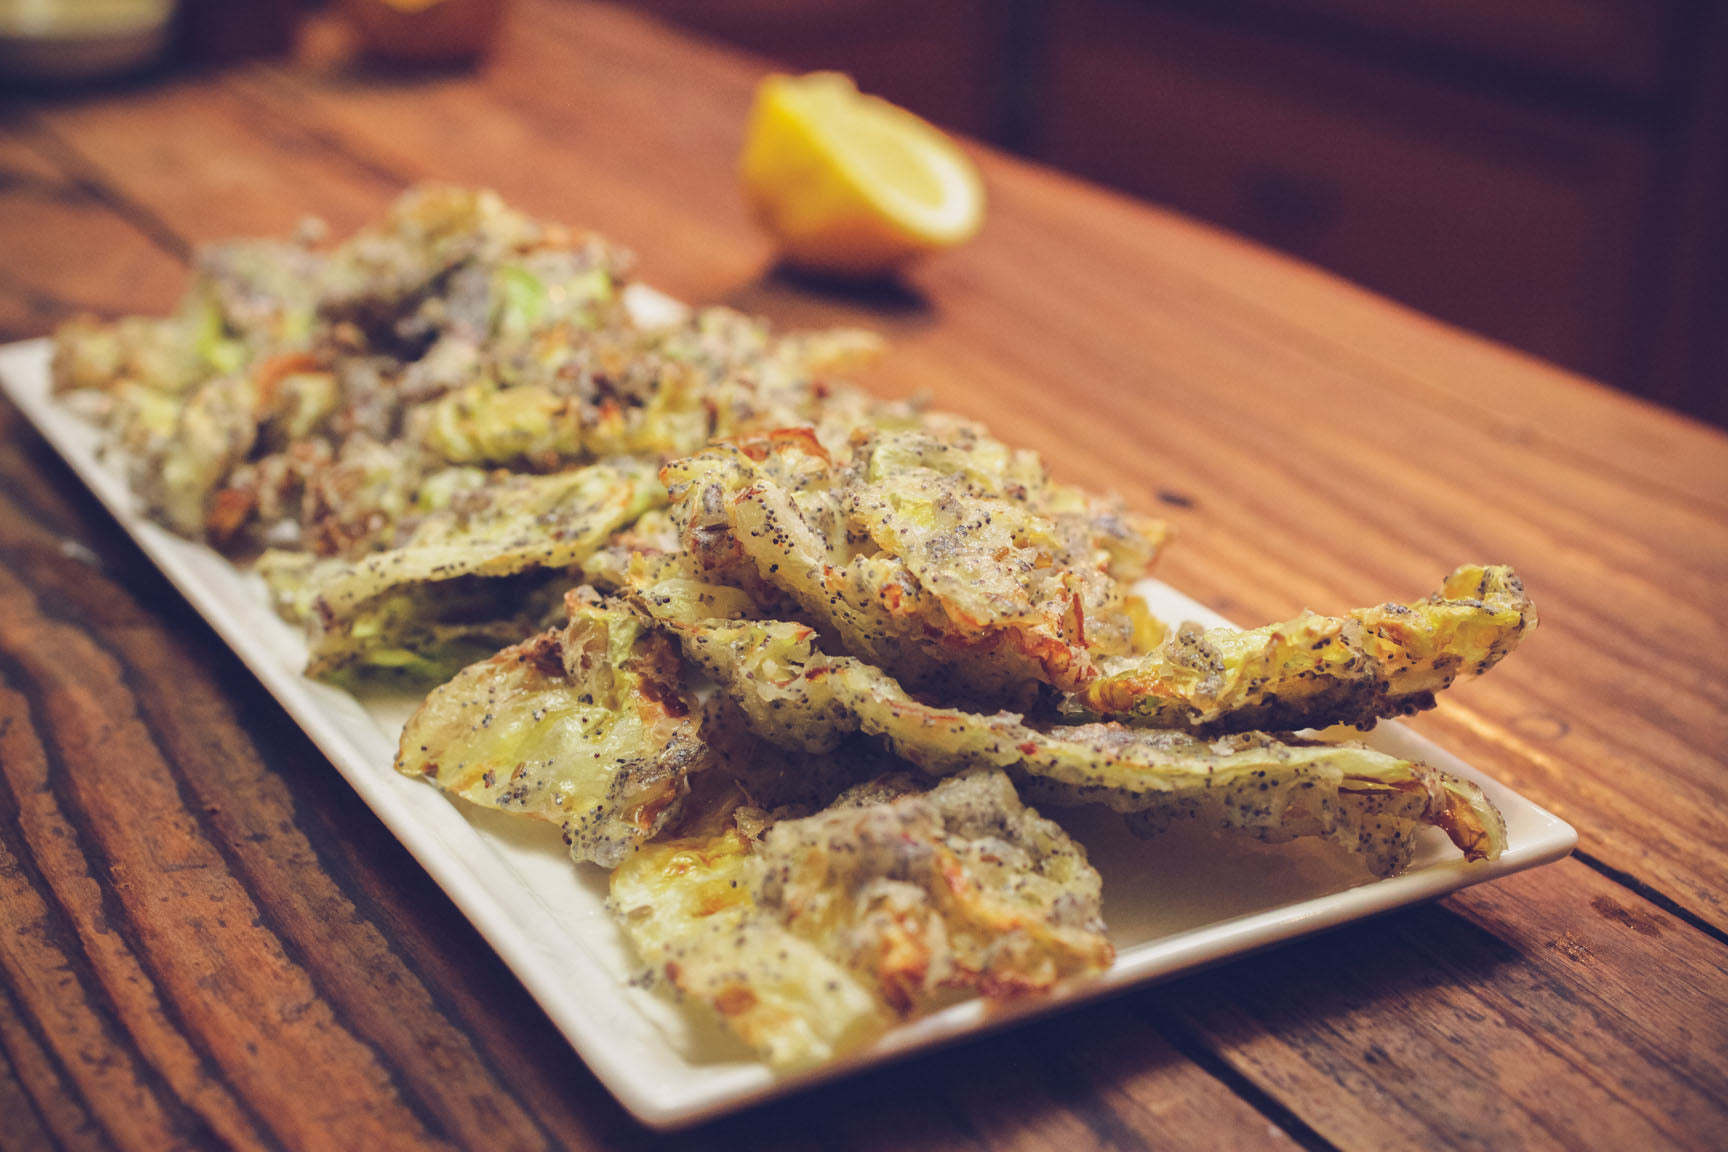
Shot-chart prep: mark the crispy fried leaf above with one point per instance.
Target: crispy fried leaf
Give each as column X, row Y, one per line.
column 944, row 559
column 687, row 908
column 808, row 942
column 586, row 726
column 1314, row 671
column 960, row 887
column 509, row 526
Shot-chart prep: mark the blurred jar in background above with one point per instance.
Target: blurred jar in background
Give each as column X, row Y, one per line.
column 426, row 31
column 71, row 40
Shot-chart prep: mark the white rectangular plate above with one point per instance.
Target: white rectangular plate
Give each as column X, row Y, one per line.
column 1175, row 903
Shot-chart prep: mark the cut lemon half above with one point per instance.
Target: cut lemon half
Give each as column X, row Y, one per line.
column 850, row 183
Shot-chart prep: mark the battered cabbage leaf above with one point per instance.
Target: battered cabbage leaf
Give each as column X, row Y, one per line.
column 214, row 430
column 960, row 887
column 571, row 394
column 945, row 559
column 439, row 597
column 512, row 524
column 813, row 939
column 193, row 460
column 185, row 395
column 403, row 278
column 345, row 502
column 264, row 296
column 426, row 633
column 587, row 726
column 754, row 782
column 421, row 633
column 1275, row 789
column 687, row 908
column 155, row 354
column 1313, row 671
column 753, row 380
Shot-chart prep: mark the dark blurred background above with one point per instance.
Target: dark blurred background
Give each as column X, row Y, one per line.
column 1551, row 173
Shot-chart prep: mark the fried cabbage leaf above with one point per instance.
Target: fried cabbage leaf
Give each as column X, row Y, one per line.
column 509, row 525
column 185, row 395
column 944, row 559
column 419, row 634
column 813, row 939
column 440, row 596
column 1314, row 671
column 446, row 258
column 962, row 887
column 662, row 393
column 687, row 909
column 588, row 726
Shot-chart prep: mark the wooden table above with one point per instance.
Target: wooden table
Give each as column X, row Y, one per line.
column 208, row 940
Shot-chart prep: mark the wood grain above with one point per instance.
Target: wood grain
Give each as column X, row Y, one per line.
column 120, row 265
column 208, row 941
column 1446, row 1031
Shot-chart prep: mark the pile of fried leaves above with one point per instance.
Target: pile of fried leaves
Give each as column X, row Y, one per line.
column 792, row 662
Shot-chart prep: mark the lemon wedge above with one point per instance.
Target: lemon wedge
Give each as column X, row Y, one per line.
column 849, row 183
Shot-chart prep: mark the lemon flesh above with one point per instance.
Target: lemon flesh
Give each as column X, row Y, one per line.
column 850, row 183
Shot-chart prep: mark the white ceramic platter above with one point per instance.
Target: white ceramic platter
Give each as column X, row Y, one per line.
column 1173, row 904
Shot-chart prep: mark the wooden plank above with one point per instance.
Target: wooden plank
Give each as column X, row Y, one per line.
column 141, row 1078
column 225, row 170
column 166, row 931
column 1091, row 1079
column 117, row 269
column 1447, row 1026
